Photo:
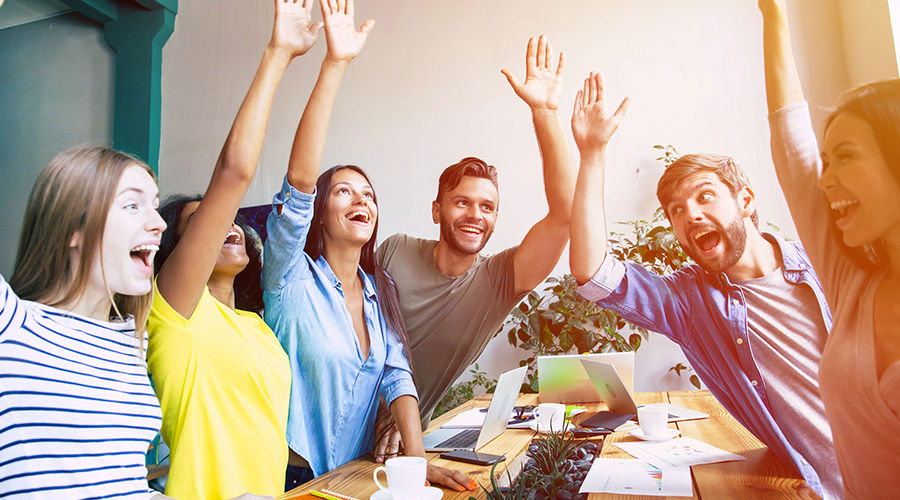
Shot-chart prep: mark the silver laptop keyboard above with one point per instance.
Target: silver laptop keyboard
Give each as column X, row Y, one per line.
column 461, row 440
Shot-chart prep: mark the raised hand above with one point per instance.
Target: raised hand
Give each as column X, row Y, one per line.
column 592, row 125
column 543, row 83
column 294, row 31
column 344, row 41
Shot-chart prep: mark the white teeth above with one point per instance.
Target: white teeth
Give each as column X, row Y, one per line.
column 468, row 229
column 149, row 246
column 364, row 215
column 700, row 234
column 842, row 204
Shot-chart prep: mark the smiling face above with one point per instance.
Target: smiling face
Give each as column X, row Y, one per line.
column 709, row 221
column 863, row 194
column 467, row 214
column 232, row 257
column 350, row 209
column 130, row 238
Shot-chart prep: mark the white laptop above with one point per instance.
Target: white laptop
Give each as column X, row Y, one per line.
column 562, row 379
column 498, row 413
column 618, row 399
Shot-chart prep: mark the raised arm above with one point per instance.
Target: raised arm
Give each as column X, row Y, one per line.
column 545, row 241
column 782, row 81
column 185, row 273
column 344, row 43
column 592, row 126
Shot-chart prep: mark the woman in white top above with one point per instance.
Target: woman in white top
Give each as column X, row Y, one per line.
column 845, row 202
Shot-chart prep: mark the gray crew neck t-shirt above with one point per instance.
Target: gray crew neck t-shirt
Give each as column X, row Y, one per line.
column 449, row 320
column 787, row 335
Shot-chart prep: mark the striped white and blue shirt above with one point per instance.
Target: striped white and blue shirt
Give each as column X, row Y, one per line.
column 77, row 412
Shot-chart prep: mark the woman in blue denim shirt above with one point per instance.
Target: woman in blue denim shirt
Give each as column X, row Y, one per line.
column 333, row 310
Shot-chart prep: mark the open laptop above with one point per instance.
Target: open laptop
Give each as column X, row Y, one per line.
column 619, row 401
column 498, row 413
column 562, row 379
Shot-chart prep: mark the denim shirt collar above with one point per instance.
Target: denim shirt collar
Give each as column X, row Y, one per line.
column 792, row 264
column 368, row 282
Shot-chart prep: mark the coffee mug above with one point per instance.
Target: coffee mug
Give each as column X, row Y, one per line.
column 405, row 477
column 653, row 419
column 551, row 417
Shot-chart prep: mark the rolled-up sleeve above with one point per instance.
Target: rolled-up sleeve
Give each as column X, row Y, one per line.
column 605, row 280
column 287, row 227
column 397, row 379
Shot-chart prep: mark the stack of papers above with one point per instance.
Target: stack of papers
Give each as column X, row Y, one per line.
column 659, row 469
column 629, row 476
column 680, row 452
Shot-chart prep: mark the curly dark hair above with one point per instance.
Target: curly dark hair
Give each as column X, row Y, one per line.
column 247, row 285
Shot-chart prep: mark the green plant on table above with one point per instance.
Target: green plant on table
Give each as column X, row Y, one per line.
column 555, row 469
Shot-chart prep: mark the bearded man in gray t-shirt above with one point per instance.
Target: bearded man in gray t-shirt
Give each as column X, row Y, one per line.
column 452, row 298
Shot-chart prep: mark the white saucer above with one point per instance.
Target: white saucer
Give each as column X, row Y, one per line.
column 665, row 436
column 533, row 426
column 429, row 493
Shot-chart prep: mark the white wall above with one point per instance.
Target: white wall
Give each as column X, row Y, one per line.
column 427, row 90
column 868, row 39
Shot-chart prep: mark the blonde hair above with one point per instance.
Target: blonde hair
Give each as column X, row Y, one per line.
column 73, row 193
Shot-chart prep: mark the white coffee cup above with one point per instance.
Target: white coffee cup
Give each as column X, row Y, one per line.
column 653, row 419
column 405, row 477
column 551, row 417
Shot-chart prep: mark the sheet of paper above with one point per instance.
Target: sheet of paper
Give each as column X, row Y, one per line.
column 630, row 476
column 679, row 413
column 474, row 418
column 680, row 452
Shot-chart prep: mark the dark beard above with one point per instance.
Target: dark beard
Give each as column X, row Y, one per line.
column 449, row 237
column 733, row 237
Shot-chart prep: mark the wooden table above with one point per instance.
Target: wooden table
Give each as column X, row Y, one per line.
column 762, row 475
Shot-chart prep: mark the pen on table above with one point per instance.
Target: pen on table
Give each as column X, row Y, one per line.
column 319, row 494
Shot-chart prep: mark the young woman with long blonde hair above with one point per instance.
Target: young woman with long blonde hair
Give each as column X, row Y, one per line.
column 78, row 412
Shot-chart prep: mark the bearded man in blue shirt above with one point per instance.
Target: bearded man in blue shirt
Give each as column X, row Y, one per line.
column 750, row 315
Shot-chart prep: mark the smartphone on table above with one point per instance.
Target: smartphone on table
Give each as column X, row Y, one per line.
column 472, row 457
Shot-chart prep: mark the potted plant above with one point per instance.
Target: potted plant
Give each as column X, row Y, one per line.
column 560, row 321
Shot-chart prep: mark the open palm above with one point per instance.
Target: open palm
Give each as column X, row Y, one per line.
column 543, row 82
column 344, row 41
column 592, row 125
column 294, row 30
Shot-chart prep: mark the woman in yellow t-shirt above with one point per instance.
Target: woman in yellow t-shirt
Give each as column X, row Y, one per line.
column 221, row 376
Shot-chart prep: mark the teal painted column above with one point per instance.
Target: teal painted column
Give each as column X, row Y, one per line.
column 137, row 30
column 138, row 36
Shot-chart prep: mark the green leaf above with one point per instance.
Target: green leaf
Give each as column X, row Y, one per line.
column 566, row 342
column 546, row 337
column 523, row 335
column 635, row 341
